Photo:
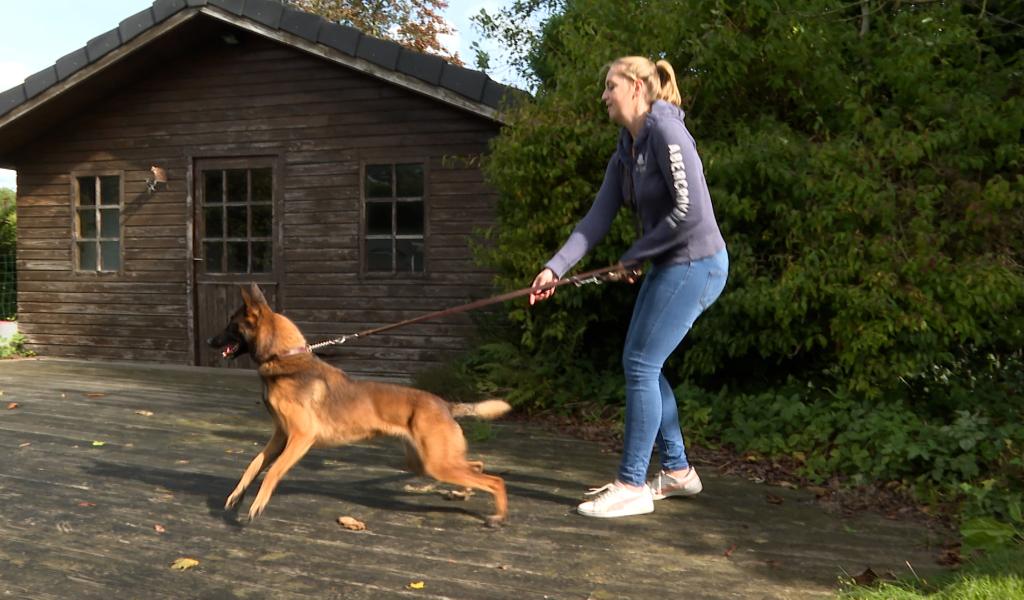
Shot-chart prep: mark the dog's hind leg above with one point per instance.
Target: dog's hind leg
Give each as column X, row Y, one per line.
column 295, row 448
column 266, row 456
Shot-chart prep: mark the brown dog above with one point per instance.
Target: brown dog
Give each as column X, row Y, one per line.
column 315, row 404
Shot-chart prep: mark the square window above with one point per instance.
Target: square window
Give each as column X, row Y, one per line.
column 87, row 256
column 110, row 223
column 110, row 190
column 378, row 255
column 378, row 218
column 378, row 181
column 409, row 257
column 87, row 224
column 110, row 254
column 409, row 180
column 87, row 191
column 409, row 217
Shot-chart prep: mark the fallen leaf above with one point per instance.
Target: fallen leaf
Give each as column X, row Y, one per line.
column 773, row 563
column 818, row 490
column 773, row 499
column 181, row 461
column 26, row 444
column 867, row 577
column 144, row 413
column 786, row 484
column 503, row 567
column 350, row 523
column 729, row 552
column 417, row 585
column 184, row 563
column 95, row 443
column 420, row 489
column 12, row 406
column 94, row 394
column 457, row 494
column 950, row 557
column 159, row 528
column 86, row 504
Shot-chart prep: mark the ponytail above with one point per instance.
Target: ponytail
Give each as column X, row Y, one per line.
column 659, row 78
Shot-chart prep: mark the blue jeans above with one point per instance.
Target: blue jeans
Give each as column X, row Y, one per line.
column 670, row 300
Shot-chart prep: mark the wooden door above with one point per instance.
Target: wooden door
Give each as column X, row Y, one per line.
column 236, row 242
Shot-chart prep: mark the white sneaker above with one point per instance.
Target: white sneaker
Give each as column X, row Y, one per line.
column 664, row 485
column 616, row 500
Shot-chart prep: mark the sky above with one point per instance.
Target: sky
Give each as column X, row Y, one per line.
column 38, row 32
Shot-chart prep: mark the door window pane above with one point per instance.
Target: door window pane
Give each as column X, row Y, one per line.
column 237, row 184
column 213, row 222
column 214, row 257
column 262, row 257
column 238, row 257
column 262, row 220
column 262, row 185
column 213, row 187
column 236, row 221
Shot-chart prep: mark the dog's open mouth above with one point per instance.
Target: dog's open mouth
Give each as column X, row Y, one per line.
column 229, row 350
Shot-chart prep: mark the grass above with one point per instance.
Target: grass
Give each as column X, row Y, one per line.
column 14, row 346
column 997, row 575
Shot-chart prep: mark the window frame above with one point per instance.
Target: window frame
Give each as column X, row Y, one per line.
column 394, row 200
column 75, row 239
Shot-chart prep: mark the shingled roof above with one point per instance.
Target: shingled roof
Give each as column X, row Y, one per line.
column 468, row 89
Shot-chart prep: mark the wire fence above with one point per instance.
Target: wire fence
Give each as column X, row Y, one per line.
column 8, row 287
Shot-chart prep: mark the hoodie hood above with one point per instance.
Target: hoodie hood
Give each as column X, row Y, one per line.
column 660, row 110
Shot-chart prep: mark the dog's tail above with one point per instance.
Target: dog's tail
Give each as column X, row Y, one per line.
column 486, row 409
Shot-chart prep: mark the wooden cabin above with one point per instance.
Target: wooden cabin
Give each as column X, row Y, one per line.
column 204, row 144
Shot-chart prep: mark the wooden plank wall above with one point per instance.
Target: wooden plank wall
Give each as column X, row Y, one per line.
column 259, row 98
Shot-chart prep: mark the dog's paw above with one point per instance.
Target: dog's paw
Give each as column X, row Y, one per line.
column 256, row 510
column 494, row 521
column 232, row 500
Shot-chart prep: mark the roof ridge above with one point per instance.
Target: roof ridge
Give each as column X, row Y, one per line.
column 475, row 86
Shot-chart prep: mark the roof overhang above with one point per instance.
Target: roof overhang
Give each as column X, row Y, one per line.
column 162, row 30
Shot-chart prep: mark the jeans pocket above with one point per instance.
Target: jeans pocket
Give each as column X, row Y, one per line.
column 712, row 288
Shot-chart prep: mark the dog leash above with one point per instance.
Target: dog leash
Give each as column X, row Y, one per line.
column 596, row 277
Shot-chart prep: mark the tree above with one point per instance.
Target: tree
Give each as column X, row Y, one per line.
column 415, row 24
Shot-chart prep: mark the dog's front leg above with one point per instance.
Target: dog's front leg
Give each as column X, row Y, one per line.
column 266, row 456
column 295, row 449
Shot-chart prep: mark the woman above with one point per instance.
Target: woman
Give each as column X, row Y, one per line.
column 657, row 173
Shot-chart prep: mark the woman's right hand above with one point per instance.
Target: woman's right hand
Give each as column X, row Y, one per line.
column 543, row 278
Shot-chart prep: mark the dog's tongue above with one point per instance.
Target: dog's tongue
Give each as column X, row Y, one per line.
column 229, row 350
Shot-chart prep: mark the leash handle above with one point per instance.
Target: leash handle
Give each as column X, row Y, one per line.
column 616, row 272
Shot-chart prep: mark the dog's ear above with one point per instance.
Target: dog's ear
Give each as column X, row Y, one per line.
column 253, row 297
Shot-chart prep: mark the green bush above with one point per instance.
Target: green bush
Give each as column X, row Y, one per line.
column 867, row 178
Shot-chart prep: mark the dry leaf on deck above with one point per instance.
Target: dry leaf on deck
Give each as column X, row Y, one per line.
column 144, row 413
column 773, row 499
column 25, row 445
column 350, row 523
column 417, row 585
column 457, row 494
column 12, row 406
column 96, row 443
column 420, row 489
column 184, row 563
column 94, row 394
column 729, row 552
column 159, row 528
column 87, row 504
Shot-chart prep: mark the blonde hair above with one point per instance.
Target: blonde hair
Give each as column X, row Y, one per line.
column 659, row 78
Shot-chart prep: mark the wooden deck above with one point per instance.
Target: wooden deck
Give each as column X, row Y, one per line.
column 80, row 520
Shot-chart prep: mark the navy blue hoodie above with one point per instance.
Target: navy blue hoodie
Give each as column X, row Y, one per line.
column 665, row 186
